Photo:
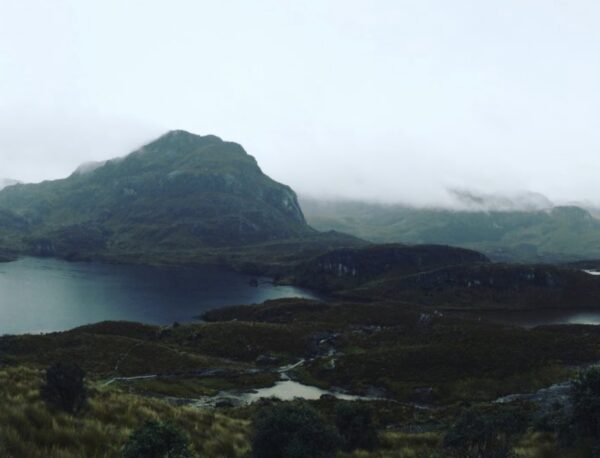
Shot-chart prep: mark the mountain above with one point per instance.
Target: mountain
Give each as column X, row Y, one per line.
column 557, row 233
column 182, row 194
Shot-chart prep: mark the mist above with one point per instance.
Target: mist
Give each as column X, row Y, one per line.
column 388, row 101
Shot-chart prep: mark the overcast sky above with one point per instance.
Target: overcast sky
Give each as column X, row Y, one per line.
column 394, row 100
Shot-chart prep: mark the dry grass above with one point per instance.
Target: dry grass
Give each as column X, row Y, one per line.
column 543, row 445
column 402, row 445
column 29, row 428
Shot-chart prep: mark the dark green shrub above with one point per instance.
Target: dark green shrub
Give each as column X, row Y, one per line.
column 65, row 387
column 354, row 421
column 586, row 403
column 472, row 433
column 293, row 430
column 486, row 435
column 157, row 440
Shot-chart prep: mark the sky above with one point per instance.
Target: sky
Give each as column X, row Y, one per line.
column 396, row 101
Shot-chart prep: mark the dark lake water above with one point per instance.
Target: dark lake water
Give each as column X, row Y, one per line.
column 42, row 295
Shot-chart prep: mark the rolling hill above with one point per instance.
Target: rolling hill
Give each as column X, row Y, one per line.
column 555, row 234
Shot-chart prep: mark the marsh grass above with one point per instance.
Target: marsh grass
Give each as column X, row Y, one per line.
column 543, row 445
column 402, row 445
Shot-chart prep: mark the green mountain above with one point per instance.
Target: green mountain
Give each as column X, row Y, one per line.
column 182, row 194
column 556, row 234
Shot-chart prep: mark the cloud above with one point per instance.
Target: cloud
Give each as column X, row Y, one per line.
column 395, row 101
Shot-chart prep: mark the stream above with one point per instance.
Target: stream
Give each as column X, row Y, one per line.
column 286, row 389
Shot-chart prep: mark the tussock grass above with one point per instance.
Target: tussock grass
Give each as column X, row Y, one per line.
column 543, row 445
column 29, row 428
column 402, row 445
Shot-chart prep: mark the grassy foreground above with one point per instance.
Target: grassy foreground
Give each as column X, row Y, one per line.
column 30, row 428
column 414, row 358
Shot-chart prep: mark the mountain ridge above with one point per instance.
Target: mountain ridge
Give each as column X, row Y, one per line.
column 561, row 233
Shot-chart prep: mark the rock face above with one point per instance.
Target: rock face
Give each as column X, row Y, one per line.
column 182, row 191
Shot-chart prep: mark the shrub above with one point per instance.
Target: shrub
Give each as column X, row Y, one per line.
column 354, row 421
column 293, row 430
column 486, row 435
column 65, row 387
column 586, row 403
column 157, row 440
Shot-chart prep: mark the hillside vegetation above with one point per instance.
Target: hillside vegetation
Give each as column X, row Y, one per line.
column 554, row 234
column 423, row 367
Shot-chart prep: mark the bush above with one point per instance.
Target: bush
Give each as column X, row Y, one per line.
column 492, row 434
column 65, row 387
column 586, row 403
column 157, row 440
column 354, row 421
column 293, row 430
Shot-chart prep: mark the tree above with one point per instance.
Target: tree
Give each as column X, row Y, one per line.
column 354, row 421
column 293, row 430
column 157, row 440
column 65, row 387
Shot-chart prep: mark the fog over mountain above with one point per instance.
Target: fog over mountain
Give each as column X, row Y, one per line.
column 4, row 182
column 389, row 101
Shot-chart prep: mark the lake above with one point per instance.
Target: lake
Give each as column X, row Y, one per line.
column 43, row 294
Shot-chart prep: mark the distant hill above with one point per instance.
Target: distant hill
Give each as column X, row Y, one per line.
column 563, row 233
column 347, row 268
column 180, row 195
column 445, row 277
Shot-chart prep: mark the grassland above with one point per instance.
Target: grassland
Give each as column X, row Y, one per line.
column 428, row 366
